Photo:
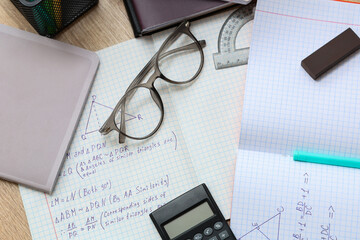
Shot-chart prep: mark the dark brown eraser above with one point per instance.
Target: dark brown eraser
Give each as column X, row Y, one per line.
column 331, row 53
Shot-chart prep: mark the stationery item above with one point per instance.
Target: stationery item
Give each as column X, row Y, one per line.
column 43, row 21
column 48, row 17
column 228, row 55
column 312, row 116
column 331, row 53
column 53, row 8
column 285, row 110
column 191, row 53
column 196, row 143
column 44, row 86
column 326, row 159
column 146, row 17
column 56, row 4
column 193, row 215
column 41, row 28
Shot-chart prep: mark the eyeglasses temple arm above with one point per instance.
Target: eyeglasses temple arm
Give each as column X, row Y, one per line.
column 122, row 125
column 151, row 63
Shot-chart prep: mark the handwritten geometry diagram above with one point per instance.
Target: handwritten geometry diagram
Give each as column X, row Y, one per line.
column 262, row 232
column 98, row 114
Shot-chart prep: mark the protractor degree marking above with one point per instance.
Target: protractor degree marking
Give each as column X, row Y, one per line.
column 228, row 55
column 232, row 27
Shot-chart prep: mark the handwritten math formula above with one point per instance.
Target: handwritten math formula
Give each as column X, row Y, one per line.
column 304, row 209
column 110, row 208
column 305, row 212
column 105, row 204
column 98, row 156
column 314, row 202
column 326, row 231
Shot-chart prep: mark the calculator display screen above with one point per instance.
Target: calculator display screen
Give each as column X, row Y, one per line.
column 188, row 220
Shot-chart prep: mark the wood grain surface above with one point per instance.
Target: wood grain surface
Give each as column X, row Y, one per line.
column 105, row 25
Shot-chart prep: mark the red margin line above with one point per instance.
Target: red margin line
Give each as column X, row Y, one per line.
column 345, row 1
column 310, row 19
column 51, row 216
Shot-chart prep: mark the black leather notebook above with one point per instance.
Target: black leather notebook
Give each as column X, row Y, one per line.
column 147, row 17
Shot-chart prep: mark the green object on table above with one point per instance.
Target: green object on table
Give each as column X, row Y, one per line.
column 326, row 159
column 45, row 18
column 53, row 8
column 38, row 20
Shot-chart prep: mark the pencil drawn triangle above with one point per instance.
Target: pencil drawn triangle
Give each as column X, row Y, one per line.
column 255, row 235
column 267, row 230
column 98, row 115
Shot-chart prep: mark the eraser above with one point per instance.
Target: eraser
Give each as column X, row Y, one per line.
column 331, row 53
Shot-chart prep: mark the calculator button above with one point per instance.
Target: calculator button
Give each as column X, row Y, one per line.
column 213, row 238
column 208, row 231
column 223, row 235
column 198, row 236
column 218, row 225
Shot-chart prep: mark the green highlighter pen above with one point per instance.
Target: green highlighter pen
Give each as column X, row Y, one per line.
column 326, row 159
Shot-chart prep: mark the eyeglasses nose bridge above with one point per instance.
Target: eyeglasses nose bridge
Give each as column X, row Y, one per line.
column 150, row 83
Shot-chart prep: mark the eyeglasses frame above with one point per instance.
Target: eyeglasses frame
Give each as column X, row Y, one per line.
column 110, row 123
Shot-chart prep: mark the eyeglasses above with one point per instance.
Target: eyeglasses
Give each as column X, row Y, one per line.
column 140, row 112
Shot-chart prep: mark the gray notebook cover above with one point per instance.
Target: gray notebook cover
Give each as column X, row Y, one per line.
column 44, row 84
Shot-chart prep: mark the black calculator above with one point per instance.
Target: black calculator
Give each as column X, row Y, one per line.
column 192, row 216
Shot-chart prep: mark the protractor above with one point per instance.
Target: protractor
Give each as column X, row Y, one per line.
column 228, row 55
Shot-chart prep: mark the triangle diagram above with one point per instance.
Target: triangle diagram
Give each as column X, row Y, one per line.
column 98, row 115
column 268, row 230
column 254, row 235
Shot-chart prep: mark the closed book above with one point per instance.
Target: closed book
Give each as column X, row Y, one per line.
column 147, row 17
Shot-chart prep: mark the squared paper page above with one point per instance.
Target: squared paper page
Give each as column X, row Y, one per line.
column 279, row 199
column 285, row 110
column 107, row 190
column 209, row 110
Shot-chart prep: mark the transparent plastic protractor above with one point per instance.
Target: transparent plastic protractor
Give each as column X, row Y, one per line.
column 142, row 114
column 182, row 65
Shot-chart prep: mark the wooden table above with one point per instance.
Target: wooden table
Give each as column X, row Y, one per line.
column 105, row 25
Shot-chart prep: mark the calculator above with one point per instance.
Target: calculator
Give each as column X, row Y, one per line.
column 192, row 216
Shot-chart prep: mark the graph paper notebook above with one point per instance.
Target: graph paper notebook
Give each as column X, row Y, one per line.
column 107, row 190
column 44, row 84
column 286, row 110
